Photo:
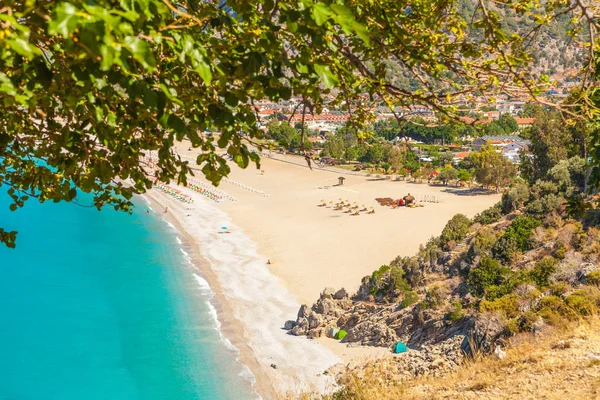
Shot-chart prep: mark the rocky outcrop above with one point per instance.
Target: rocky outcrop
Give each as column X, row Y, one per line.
column 371, row 324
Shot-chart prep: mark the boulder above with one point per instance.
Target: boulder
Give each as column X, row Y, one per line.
column 289, row 325
column 314, row 320
column 302, row 312
column 340, row 294
column 301, row 327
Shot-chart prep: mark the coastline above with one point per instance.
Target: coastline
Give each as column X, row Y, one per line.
column 293, row 374
column 273, row 214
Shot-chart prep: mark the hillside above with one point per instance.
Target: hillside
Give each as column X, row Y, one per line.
column 564, row 364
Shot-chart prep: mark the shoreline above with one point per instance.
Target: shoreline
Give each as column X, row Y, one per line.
column 229, row 327
column 294, row 357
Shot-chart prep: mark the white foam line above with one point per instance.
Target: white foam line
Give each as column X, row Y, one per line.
column 260, row 301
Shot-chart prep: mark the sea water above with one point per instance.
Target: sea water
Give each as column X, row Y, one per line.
column 105, row 305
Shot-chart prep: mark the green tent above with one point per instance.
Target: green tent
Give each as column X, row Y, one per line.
column 400, row 348
column 339, row 335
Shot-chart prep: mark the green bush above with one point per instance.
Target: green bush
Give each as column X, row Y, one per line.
column 527, row 320
column 455, row 230
column 411, row 268
column 434, row 299
column 593, row 278
column 410, row 298
column 584, row 301
column 516, row 238
column 506, row 249
column 560, row 252
column 542, row 271
column 482, row 244
column 397, row 279
column 489, row 216
column 553, row 308
column 510, row 280
column 487, row 273
column 510, row 328
column 378, row 284
column 559, row 288
column 515, row 197
column 456, row 312
column 507, row 305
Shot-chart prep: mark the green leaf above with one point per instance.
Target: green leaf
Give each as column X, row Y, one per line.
column 141, row 52
column 328, row 78
column 321, row 13
column 24, row 48
column 64, row 21
column 203, row 69
column 176, row 123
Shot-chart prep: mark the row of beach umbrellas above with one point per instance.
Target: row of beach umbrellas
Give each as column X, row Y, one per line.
column 173, row 192
column 209, row 191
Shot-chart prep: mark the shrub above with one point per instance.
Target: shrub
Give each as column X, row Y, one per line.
column 489, row 216
column 527, row 321
column 377, row 282
column 542, row 271
column 593, row 278
column 550, row 316
column 584, row 301
column 509, row 283
column 515, row 197
column 506, row 249
column 560, row 252
column 397, row 279
column 510, row 328
column 455, row 230
column 487, row 273
column 456, row 312
column 570, row 269
column 411, row 268
column 507, row 305
column 434, row 298
column 516, row 238
column 482, row 244
column 560, row 288
column 410, row 298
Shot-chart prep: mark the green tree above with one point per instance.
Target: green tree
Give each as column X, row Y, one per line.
column 491, row 168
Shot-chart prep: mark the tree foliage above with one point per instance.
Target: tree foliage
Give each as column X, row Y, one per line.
column 87, row 88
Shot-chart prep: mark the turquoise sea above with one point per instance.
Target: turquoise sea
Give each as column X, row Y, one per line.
column 104, row 305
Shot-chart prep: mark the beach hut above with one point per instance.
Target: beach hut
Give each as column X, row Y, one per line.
column 400, row 348
column 339, row 335
column 332, row 332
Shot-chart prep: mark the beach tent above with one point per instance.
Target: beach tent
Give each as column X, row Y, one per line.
column 332, row 332
column 400, row 348
column 339, row 335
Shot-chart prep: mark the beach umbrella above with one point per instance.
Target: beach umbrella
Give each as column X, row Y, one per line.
column 224, row 228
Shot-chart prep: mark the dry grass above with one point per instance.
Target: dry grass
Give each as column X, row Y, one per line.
column 563, row 364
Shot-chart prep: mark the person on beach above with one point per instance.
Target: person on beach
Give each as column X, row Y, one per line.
column 147, row 211
column 166, row 210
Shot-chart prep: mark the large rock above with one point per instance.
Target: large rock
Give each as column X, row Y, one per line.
column 301, row 327
column 303, row 311
column 340, row 294
column 289, row 325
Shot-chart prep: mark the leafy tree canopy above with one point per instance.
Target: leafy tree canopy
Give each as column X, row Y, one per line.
column 89, row 87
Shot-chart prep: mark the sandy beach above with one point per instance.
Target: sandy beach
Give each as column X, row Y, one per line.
column 274, row 215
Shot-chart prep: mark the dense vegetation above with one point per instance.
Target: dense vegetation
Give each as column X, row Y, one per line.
column 531, row 260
